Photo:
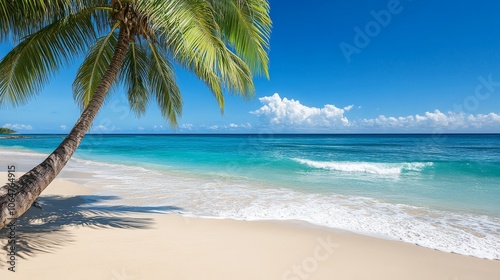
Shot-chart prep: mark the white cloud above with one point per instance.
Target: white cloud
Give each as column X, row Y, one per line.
column 481, row 120
column 348, row 108
column 292, row 115
column 187, row 126
column 140, row 128
column 100, row 128
column 18, row 126
column 243, row 125
column 219, row 127
column 435, row 120
column 63, row 127
column 289, row 112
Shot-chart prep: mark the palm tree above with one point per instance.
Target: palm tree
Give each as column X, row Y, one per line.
column 130, row 43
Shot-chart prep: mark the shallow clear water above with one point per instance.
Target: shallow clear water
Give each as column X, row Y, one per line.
column 439, row 191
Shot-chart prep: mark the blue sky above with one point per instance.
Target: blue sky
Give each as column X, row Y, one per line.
column 336, row 67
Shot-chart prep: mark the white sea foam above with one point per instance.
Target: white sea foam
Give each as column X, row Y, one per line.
column 237, row 198
column 366, row 167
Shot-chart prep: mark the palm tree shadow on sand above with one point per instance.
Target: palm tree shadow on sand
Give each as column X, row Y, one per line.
column 44, row 230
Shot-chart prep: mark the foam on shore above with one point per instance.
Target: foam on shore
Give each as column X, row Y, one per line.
column 240, row 198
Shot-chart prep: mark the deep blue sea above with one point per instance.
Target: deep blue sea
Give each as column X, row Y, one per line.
column 438, row 191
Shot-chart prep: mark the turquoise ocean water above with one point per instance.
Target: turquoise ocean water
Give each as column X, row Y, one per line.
column 438, row 191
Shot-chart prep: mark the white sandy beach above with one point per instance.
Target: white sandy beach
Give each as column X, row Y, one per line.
column 68, row 241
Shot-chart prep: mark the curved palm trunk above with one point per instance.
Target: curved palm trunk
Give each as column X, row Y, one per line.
column 17, row 198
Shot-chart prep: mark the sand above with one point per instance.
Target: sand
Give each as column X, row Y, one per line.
column 70, row 240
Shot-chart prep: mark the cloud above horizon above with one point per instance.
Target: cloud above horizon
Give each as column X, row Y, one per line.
column 289, row 112
column 188, row 127
column 436, row 119
column 18, row 126
column 284, row 113
column 215, row 127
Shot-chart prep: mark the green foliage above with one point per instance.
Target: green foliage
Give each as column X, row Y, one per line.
column 161, row 83
column 30, row 65
column 4, row 130
column 222, row 41
column 93, row 68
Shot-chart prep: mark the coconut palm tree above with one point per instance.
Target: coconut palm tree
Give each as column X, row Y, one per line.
column 129, row 43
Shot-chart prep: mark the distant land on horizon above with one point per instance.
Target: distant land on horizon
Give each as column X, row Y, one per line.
column 4, row 130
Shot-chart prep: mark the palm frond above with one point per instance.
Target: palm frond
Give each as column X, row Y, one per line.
column 211, row 79
column 20, row 18
column 28, row 67
column 240, row 77
column 246, row 25
column 134, row 74
column 190, row 21
column 94, row 66
column 162, row 85
column 188, row 28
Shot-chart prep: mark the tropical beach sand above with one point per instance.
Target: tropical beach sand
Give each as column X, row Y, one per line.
column 68, row 240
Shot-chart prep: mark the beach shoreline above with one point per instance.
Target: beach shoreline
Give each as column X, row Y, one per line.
column 194, row 194
column 134, row 243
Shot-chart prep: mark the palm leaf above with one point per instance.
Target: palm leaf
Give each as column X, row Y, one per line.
column 28, row 67
column 162, row 85
column 134, row 74
column 189, row 29
column 246, row 24
column 93, row 68
column 20, row 18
